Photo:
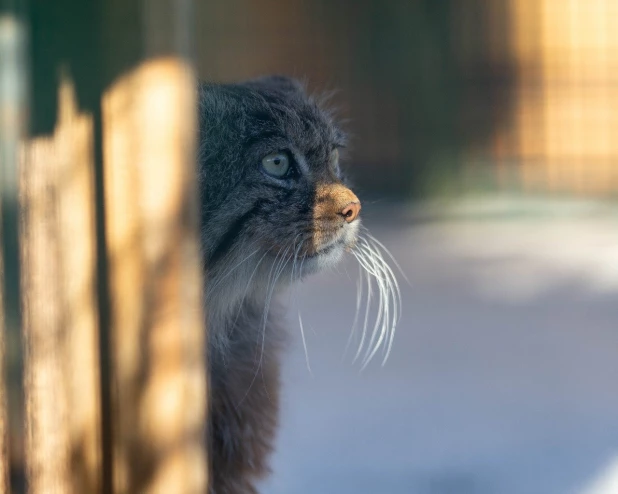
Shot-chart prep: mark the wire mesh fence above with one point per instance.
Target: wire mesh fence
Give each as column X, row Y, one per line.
column 444, row 95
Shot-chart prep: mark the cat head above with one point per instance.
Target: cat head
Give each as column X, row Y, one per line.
column 275, row 205
column 270, row 178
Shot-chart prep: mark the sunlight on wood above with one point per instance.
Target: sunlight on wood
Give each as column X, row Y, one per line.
column 60, row 318
column 155, row 280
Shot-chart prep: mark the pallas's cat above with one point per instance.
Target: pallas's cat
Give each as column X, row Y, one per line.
column 274, row 208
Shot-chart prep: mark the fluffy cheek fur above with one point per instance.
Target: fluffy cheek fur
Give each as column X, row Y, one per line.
column 279, row 243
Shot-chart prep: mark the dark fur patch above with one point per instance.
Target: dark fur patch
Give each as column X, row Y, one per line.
column 242, row 209
column 233, row 233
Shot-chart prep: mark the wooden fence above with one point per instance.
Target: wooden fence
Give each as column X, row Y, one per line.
column 103, row 330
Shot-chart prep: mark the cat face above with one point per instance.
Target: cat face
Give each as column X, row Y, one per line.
column 274, row 205
column 270, row 181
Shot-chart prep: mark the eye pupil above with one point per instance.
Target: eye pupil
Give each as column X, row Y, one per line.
column 277, row 161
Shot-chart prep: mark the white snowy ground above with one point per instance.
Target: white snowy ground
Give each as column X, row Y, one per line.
column 504, row 374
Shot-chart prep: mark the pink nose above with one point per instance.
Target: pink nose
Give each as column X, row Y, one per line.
column 350, row 212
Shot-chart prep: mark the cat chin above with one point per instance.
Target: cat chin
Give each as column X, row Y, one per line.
column 325, row 260
column 330, row 256
column 330, row 259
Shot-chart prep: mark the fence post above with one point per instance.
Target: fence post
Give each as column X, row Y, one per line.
column 156, row 318
column 110, row 248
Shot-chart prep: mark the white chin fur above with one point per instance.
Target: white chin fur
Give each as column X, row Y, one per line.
column 330, row 259
column 332, row 256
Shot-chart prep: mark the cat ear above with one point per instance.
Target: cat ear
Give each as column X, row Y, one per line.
column 280, row 83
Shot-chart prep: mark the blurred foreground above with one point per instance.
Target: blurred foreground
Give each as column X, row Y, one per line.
column 503, row 375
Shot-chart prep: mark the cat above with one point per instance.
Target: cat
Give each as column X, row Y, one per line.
column 274, row 208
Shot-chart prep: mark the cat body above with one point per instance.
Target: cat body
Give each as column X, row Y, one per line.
column 274, row 208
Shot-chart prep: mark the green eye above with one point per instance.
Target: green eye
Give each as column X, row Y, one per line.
column 276, row 164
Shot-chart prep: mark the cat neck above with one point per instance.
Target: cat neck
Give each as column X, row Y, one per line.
column 241, row 312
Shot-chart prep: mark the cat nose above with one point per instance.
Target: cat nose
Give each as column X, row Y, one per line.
column 350, row 211
column 334, row 201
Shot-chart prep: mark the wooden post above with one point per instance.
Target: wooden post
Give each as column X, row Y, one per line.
column 60, row 310
column 112, row 280
column 155, row 281
column 157, row 323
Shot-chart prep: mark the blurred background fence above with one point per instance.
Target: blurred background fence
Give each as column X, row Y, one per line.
column 98, row 203
column 444, row 96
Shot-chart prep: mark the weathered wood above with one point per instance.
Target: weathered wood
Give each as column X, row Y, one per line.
column 155, row 280
column 60, row 317
column 155, row 274
column 120, row 385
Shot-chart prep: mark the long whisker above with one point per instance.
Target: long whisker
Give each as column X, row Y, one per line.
column 275, row 273
column 383, row 308
column 248, row 285
column 397, row 308
column 302, row 332
column 359, row 296
column 368, row 252
column 395, row 294
column 388, row 253
column 211, row 288
column 385, row 300
column 396, row 300
column 367, row 306
column 296, row 251
column 270, row 287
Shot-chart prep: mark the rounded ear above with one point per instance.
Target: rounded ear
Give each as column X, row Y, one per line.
column 279, row 83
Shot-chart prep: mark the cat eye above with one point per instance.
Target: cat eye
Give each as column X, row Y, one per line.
column 276, row 164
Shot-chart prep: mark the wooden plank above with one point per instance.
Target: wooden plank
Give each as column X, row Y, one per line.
column 155, row 280
column 60, row 317
column 151, row 229
column 148, row 420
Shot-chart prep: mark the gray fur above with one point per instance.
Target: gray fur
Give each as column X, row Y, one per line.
column 254, row 231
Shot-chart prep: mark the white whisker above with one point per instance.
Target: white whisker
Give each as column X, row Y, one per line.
column 211, row 288
column 302, row 332
column 359, row 296
column 296, row 251
column 382, row 316
column 388, row 253
column 279, row 258
column 368, row 252
column 367, row 307
column 244, row 296
column 383, row 325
